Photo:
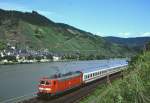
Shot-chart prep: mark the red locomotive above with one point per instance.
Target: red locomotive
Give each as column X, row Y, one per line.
column 62, row 82
column 59, row 83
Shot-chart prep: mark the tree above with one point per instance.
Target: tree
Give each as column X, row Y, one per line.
column 30, row 57
column 147, row 46
column 49, row 57
column 2, row 45
column 38, row 58
column 1, row 58
column 10, row 58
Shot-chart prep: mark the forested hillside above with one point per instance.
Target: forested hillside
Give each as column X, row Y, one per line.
column 137, row 43
column 34, row 31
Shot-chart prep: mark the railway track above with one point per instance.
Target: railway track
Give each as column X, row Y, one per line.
column 75, row 95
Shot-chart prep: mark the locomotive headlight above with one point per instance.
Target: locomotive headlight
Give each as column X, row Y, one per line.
column 47, row 89
column 41, row 88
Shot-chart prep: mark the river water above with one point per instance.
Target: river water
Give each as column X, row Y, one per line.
column 22, row 79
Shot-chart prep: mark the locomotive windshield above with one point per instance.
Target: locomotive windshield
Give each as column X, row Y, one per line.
column 45, row 83
column 42, row 82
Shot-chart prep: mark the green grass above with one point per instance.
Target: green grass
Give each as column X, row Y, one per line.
column 133, row 88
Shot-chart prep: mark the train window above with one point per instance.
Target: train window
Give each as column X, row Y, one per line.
column 85, row 76
column 42, row 82
column 47, row 83
column 91, row 75
column 88, row 76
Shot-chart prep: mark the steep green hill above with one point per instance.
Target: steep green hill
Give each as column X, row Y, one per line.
column 34, row 31
column 133, row 88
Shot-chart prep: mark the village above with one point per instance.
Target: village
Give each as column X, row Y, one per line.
column 12, row 55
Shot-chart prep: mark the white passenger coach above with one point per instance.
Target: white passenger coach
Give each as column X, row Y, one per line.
column 97, row 73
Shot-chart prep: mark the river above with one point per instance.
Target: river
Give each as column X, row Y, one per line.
column 22, row 79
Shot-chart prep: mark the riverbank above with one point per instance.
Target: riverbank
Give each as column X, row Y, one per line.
column 6, row 62
column 43, row 61
column 49, row 61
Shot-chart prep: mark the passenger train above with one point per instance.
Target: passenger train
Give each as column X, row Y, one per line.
column 60, row 83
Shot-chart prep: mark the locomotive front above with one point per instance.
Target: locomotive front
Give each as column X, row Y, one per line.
column 46, row 87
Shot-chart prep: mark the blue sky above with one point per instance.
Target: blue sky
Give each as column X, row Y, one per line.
column 122, row 18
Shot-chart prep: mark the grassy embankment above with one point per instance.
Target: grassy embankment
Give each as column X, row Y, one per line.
column 133, row 88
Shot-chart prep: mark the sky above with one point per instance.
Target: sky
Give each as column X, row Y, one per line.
column 121, row 18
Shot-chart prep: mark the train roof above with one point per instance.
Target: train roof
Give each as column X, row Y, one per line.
column 65, row 76
column 105, row 67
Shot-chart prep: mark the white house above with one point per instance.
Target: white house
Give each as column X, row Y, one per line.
column 56, row 58
column 2, row 55
column 13, row 47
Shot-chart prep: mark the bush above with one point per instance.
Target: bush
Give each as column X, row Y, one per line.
column 2, row 45
column 10, row 58
column 1, row 58
column 30, row 57
column 148, row 46
column 38, row 58
column 49, row 57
